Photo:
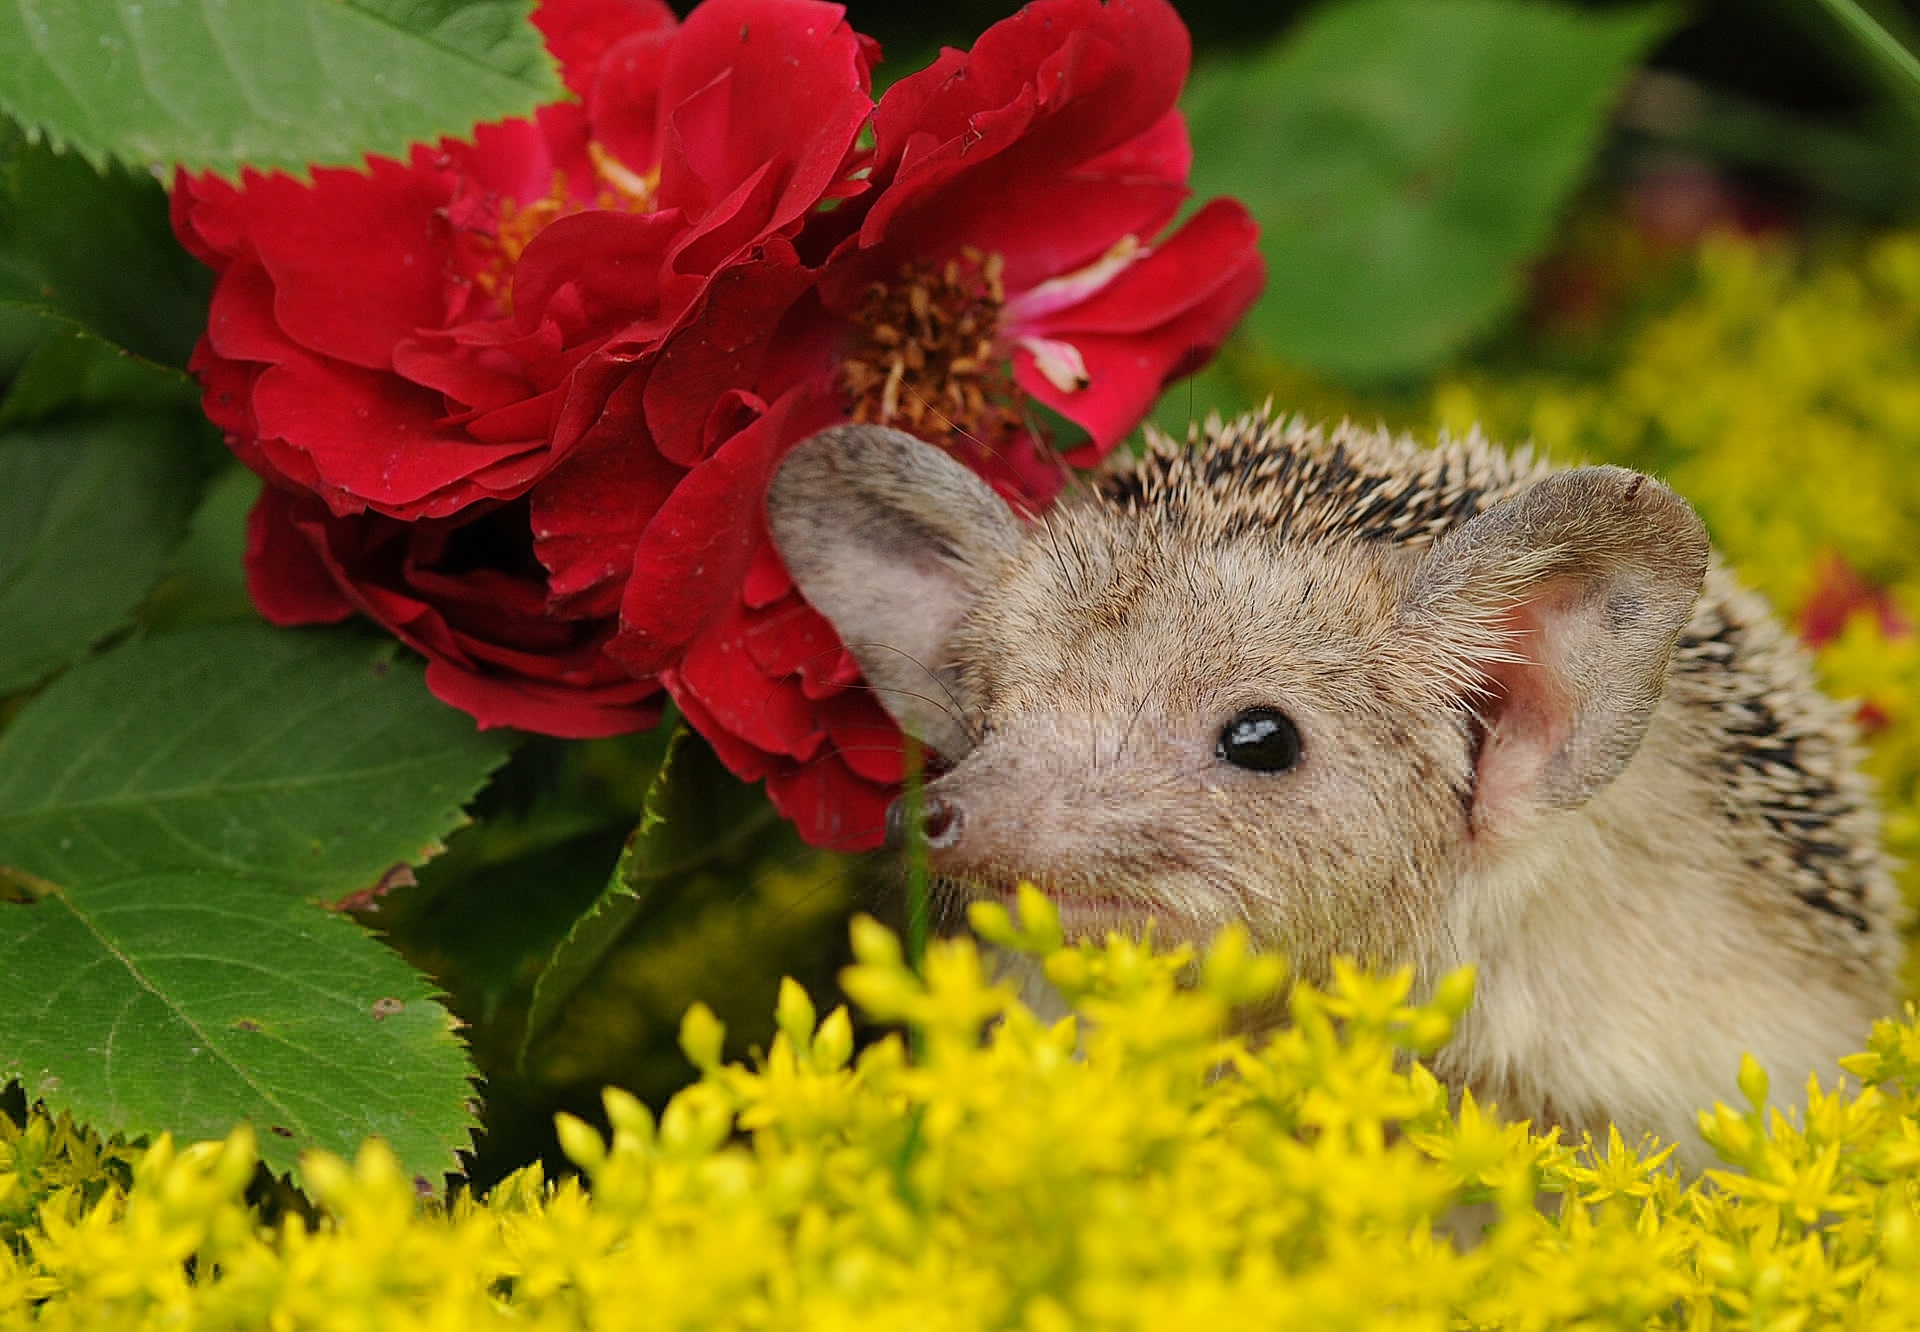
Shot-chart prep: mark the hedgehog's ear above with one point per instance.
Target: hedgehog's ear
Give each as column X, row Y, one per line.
column 892, row 540
column 1552, row 616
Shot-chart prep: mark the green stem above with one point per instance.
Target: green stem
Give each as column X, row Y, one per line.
column 919, row 905
column 1886, row 50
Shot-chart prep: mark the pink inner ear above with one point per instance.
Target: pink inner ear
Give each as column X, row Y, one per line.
column 1528, row 714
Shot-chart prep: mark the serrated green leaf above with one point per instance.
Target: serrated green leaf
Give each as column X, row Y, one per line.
column 186, row 1001
column 695, row 812
column 312, row 758
column 73, row 369
column 21, row 333
column 170, row 809
column 1404, row 159
column 218, row 84
column 50, row 378
column 96, row 248
column 90, row 509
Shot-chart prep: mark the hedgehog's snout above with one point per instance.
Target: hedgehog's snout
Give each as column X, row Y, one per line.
column 941, row 820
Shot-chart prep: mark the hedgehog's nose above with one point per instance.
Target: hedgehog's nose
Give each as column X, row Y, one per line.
column 940, row 821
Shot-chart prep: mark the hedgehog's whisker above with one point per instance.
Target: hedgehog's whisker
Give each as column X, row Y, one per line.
column 1146, row 696
column 952, row 706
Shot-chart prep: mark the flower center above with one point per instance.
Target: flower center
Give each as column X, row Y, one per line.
column 928, row 359
column 515, row 223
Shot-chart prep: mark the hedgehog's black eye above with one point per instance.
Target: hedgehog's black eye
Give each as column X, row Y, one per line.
column 1260, row 740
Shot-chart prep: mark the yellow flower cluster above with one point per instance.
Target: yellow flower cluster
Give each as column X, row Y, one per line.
column 1781, row 396
column 1133, row 1168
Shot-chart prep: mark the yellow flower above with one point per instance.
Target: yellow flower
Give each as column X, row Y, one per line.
column 1139, row 1170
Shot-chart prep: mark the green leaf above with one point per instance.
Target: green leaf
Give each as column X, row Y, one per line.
column 71, row 368
column 311, row 758
column 90, row 510
column 268, row 83
column 185, row 1001
column 21, row 333
column 695, row 812
column 206, row 580
column 96, row 248
column 168, row 811
column 1404, row 159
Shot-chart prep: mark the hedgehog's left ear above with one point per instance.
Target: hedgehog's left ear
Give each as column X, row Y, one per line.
column 1552, row 616
column 892, row 540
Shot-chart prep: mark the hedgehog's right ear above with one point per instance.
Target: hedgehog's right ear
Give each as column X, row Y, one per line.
column 1552, row 617
column 892, row 540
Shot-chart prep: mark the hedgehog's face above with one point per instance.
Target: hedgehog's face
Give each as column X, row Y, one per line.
column 1313, row 738
column 1199, row 735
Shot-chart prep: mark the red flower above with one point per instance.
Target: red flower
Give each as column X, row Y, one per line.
column 425, row 343
column 1840, row 593
column 519, row 399
column 1021, row 189
column 1008, row 250
column 443, row 587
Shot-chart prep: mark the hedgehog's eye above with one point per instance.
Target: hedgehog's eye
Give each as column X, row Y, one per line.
column 1260, row 740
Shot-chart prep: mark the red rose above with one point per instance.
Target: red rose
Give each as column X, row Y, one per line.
column 1007, row 250
column 519, row 399
column 441, row 586
column 1021, row 188
column 423, row 344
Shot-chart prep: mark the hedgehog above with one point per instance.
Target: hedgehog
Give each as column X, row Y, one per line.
column 1418, row 707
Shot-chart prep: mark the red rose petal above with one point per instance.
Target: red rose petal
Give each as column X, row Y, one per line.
column 1187, row 270
column 865, row 737
column 240, row 322
column 771, row 715
column 729, row 227
column 1127, row 371
column 355, row 258
column 767, row 578
column 528, row 419
column 581, row 33
column 613, row 260
column 589, row 512
column 183, row 208
column 830, row 806
column 1047, row 218
column 374, row 441
column 491, row 649
column 1042, row 94
column 207, row 221
column 742, row 759
column 722, row 345
column 510, row 162
column 1162, row 152
column 226, row 390
column 759, row 82
column 528, row 706
column 287, row 579
column 435, row 361
column 624, row 107
column 690, row 560
column 793, row 641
